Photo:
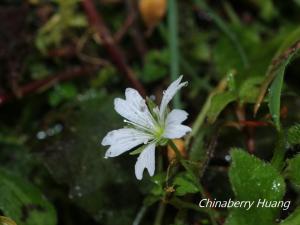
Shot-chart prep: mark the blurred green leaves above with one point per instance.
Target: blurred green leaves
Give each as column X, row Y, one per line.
column 23, row 202
column 54, row 32
column 251, row 180
column 105, row 188
column 62, row 92
column 155, row 65
column 293, row 219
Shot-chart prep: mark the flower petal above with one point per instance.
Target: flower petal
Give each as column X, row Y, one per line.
column 169, row 94
column 145, row 160
column 134, row 109
column 176, row 116
column 122, row 140
column 176, row 131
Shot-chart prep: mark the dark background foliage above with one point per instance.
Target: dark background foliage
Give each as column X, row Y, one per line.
column 64, row 61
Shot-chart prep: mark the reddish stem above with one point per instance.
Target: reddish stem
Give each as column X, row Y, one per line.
column 49, row 81
column 114, row 51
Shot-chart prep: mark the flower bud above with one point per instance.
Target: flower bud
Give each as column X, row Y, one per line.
column 152, row 11
column 180, row 146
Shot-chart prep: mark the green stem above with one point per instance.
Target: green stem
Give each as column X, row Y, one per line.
column 173, row 44
column 139, row 216
column 279, row 152
column 226, row 30
column 178, row 203
column 202, row 115
column 194, row 176
column 160, row 213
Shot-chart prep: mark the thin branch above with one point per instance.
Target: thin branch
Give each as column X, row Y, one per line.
column 50, row 81
column 114, row 51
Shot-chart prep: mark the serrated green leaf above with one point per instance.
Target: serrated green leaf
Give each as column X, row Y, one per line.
column 184, row 184
column 23, row 202
column 218, row 103
column 251, row 180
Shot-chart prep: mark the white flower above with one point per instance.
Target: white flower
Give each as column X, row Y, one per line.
column 147, row 127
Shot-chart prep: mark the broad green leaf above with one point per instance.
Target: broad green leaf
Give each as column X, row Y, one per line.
column 293, row 219
column 251, row 180
column 293, row 168
column 218, row 103
column 23, row 202
column 293, row 136
column 184, row 184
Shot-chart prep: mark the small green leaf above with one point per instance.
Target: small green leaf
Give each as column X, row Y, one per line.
column 251, row 180
column 184, row 184
column 293, row 135
column 293, row 169
column 23, row 202
column 218, row 103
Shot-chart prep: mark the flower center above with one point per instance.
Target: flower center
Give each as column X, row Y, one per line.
column 159, row 131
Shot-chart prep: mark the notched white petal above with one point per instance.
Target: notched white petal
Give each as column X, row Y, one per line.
column 176, row 116
column 134, row 109
column 146, row 160
column 169, row 93
column 176, row 131
column 123, row 140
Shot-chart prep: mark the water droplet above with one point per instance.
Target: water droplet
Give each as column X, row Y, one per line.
column 58, row 128
column 70, row 196
column 228, row 158
column 41, row 135
column 77, row 188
